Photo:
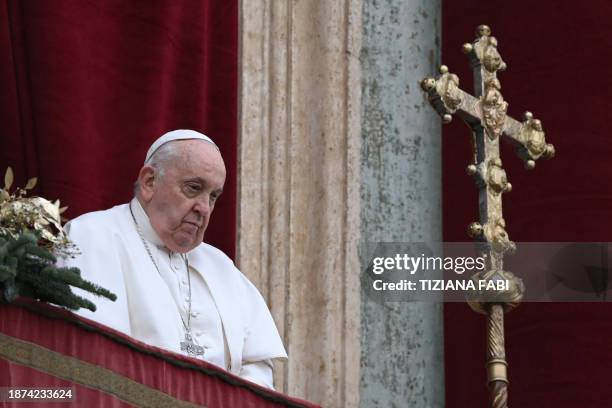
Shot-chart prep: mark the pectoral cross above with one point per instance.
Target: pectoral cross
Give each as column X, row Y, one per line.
column 190, row 347
column 485, row 113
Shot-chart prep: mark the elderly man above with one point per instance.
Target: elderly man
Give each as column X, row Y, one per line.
column 173, row 290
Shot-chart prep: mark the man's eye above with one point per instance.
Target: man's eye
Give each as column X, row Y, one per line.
column 214, row 197
column 192, row 188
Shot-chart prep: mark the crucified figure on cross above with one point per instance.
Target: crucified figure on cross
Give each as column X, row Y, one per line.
column 485, row 113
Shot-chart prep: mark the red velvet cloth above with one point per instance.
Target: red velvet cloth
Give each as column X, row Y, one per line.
column 181, row 377
column 556, row 52
column 88, row 85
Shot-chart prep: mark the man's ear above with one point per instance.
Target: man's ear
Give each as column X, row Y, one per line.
column 146, row 182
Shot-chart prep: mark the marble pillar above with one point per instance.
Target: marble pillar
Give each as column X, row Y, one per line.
column 400, row 167
column 299, row 186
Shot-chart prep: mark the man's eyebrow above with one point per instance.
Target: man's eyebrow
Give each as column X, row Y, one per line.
column 197, row 179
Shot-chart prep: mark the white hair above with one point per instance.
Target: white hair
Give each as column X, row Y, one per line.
column 166, row 154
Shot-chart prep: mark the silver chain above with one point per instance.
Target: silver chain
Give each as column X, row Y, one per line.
column 188, row 325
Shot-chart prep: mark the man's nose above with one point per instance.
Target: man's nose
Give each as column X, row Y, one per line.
column 202, row 205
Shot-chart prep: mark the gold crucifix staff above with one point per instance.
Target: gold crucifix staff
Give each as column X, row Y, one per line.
column 485, row 113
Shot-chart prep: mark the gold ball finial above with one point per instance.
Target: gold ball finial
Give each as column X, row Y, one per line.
column 467, row 48
column 428, row 84
column 508, row 188
column 447, row 118
column 475, row 229
column 471, row 170
column 502, row 66
column 443, row 69
column 537, row 124
column 528, row 115
column 530, row 164
column 483, row 30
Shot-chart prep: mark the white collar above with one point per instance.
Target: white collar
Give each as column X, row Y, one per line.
column 142, row 219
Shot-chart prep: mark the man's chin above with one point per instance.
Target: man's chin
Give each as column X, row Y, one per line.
column 182, row 244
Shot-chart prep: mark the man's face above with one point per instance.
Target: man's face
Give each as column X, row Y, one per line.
column 180, row 202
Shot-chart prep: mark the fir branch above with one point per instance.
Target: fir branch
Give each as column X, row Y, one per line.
column 28, row 269
column 72, row 277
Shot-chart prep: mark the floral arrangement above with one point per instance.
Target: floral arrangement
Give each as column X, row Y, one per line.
column 31, row 239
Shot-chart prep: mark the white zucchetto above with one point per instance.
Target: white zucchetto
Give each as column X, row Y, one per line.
column 179, row 134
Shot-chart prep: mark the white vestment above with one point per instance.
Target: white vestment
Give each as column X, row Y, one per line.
column 228, row 315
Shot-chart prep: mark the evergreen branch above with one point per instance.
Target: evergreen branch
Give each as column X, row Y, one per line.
column 28, row 269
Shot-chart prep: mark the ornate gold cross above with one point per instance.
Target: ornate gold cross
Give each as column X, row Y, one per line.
column 485, row 113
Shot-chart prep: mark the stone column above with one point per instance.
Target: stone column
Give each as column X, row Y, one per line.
column 299, row 186
column 401, row 343
column 315, row 166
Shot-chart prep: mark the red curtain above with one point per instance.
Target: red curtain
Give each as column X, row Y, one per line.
column 557, row 53
column 88, row 85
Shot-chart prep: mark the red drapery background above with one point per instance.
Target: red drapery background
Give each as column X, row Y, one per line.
column 88, row 85
column 559, row 354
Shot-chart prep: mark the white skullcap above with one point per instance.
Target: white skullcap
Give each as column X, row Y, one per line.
column 179, row 134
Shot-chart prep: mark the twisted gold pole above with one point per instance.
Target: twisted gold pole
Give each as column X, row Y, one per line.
column 496, row 358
